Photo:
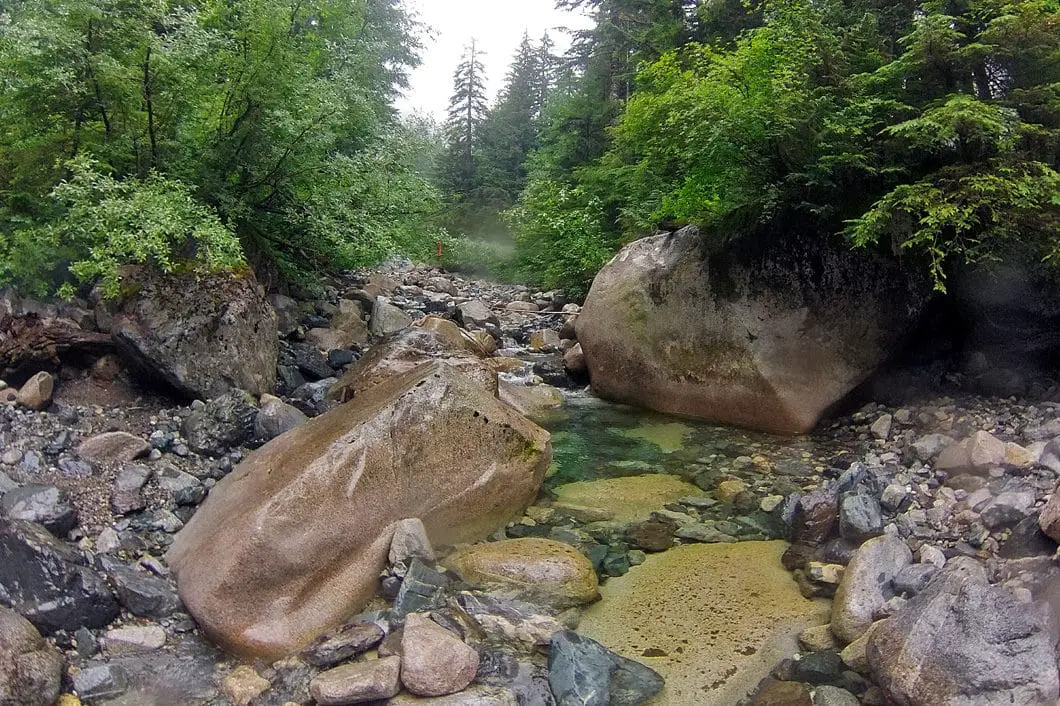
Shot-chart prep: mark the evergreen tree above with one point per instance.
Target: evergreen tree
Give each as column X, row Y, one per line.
column 466, row 115
column 510, row 132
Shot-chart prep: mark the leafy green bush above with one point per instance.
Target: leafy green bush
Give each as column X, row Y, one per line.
column 269, row 119
column 561, row 238
column 484, row 258
column 932, row 128
column 106, row 223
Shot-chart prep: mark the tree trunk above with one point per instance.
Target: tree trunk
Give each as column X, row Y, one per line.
column 31, row 342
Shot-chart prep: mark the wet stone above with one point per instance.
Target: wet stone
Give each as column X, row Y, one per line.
column 825, row 667
column 423, row 589
column 100, row 681
column 141, row 594
column 47, row 581
column 44, row 504
column 582, row 672
column 348, row 641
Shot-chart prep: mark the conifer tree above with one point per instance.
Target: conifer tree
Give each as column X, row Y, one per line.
column 466, row 115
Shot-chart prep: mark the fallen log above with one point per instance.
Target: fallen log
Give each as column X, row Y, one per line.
column 29, row 343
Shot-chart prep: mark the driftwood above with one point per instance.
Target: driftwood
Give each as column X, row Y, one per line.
column 32, row 342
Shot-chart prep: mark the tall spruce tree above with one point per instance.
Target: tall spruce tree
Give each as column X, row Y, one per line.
column 510, row 132
column 466, row 115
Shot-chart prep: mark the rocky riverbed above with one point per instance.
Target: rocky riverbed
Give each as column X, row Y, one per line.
column 932, row 511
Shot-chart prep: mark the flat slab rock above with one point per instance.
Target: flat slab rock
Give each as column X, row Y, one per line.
column 712, row 619
column 311, row 514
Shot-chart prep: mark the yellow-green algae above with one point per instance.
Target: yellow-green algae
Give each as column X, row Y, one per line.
column 713, row 619
column 668, row 437
column 631, row 498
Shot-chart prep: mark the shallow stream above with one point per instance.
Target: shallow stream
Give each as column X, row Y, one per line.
column 712, row 618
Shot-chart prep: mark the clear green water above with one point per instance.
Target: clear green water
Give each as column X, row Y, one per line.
column 594, row 439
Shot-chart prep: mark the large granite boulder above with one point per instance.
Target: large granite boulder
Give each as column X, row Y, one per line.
column 202, row 335
column 433, row 339
column 964, row 642
column 764, row 334
column 292, row 542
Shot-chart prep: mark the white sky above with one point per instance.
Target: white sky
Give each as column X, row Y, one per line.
column 496, row 25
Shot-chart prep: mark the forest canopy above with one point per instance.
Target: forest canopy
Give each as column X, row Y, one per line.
column 263, row 133
column 205, row 135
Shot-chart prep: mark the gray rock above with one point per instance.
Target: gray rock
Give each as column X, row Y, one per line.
column 823, row 667
column 929, row 446
column 410, row 542
column 183, row 488
column 310, row 362
column 44, row 504
column 422, row 590
column 125, row 495
column 964, row 642
column 867, row 585
column 6, row 484
column 893, row 496
column 357, row 683
column 833, row 696
column 113, row 447
column 74, row 468
column 1008, row 508
column 101, row 681
column 881, row 428
column 859, row 516
column 276, row 417
column 48, row 582
column 223, row 423
column 928, row 554
column 441, row 284
column 288, row 313
column 700, row 532
column 914, row 578
column 582, row 672
column 201, row 334
column 348, row 641
column 387, row 318
column 31, row 671
column 141, row 594
column 1050, row 457
column 133, row 639
column 475, row 314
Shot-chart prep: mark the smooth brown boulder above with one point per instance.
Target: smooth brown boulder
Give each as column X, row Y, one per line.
column 539, row 568
column 764, row 333
column 434, row 661
column 407, row 349
column 113, row 447
column 292, row 542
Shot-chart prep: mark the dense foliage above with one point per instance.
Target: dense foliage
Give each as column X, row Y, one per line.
column 243, row 130
column 931, row 127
